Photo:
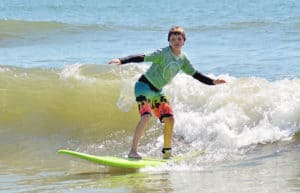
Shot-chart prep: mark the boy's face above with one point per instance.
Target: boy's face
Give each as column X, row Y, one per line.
column 176, row 41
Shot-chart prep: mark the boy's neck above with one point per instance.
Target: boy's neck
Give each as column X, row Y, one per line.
column 176, row 52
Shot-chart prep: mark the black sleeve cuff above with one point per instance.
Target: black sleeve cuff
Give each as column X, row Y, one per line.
column 204, row 79
column 133, row 58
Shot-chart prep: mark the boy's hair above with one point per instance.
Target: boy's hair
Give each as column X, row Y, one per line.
column 176, row 30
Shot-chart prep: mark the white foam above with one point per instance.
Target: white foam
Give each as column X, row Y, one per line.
column 3, row 69
column 129, row 75
column 72, row 72
column 243, row 112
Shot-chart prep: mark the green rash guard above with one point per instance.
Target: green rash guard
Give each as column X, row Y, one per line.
column 165, row 66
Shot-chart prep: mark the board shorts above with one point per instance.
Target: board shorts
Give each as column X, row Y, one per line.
column 150, row 100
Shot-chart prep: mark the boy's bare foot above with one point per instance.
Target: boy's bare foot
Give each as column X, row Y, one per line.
column 134, row 155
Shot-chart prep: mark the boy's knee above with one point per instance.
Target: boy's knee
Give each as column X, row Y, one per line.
column 164, row 110
column 146, row 117
column 169, row 120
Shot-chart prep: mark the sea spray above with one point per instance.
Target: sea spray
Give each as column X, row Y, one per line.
column 86, row 104
column 238, row 114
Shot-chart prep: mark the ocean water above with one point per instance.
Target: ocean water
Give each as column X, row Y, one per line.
column 57, row 91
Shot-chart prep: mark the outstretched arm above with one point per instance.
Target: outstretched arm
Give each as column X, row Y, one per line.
column 206, row 80
column 128, row 59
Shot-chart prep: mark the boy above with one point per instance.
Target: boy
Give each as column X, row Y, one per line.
column 166, row 63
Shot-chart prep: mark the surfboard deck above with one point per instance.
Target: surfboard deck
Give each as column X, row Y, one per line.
column 118, row 162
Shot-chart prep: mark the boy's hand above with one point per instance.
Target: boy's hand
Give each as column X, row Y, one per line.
column 115, row 61
column 219, row 81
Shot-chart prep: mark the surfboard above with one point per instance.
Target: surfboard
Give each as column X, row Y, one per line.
column 117, row 162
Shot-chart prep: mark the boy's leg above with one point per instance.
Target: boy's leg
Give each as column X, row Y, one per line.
column 168, row 133
column 139, row 130
column 164, row 112
column 145, row 112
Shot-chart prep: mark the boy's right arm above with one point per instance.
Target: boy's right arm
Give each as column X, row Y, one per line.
column 128, row 59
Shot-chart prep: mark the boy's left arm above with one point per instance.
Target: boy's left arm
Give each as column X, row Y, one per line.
column 190, row 70
column 207, row 80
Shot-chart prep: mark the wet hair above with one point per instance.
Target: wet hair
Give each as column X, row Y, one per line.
column 176, row 30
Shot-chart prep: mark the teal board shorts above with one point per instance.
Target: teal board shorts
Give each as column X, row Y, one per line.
column 150, row 100
column 143, row 89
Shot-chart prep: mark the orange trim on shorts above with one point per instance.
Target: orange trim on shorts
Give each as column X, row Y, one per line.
column 163, row 110
column 144, row 108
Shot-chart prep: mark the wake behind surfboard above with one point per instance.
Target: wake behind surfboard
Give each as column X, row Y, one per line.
column 118, row 162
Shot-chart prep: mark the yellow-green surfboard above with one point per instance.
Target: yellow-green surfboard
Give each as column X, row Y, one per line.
column 117, row 162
